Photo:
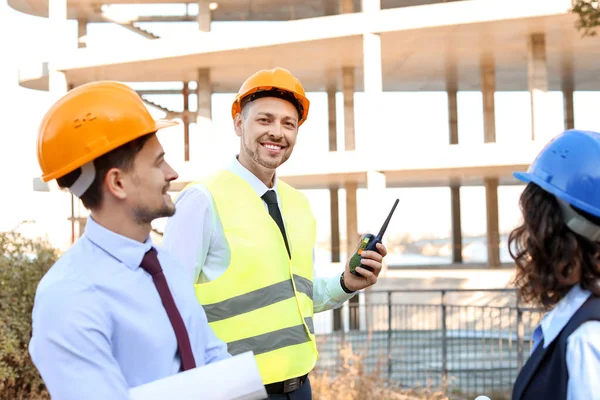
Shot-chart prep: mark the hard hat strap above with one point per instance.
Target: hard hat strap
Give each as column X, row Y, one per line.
column 577, row 223
column 85, row 179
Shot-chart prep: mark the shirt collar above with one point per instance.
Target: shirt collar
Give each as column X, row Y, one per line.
column 559, row 316
column 128, row 251
column 259, row 187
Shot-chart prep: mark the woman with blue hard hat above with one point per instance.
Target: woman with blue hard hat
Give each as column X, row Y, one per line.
column 557, row 252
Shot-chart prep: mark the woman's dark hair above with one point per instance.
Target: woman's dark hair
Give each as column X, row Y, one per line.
column 550, row 257
column 122, row 157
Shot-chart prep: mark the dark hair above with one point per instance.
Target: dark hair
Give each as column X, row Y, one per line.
column 122, row 157
column 550, row 257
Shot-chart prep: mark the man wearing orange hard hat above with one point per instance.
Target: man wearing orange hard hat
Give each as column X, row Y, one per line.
column 248, row 237
column 115, row 311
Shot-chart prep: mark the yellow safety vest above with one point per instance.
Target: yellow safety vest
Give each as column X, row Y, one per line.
column 263, row 302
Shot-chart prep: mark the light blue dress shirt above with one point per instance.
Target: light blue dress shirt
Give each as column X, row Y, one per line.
column 99, row 326
column 583, row 346
column 195, row 236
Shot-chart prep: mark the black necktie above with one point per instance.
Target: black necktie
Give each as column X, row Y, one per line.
column 270, row 197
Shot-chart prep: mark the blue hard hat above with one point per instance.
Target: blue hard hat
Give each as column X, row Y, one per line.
column 569, row 168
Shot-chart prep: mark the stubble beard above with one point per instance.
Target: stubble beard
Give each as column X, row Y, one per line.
column 144, row 215
column 255, row 156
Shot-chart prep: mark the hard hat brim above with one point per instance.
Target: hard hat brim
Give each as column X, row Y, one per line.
column 236, row 107
column 528, row 177
column 163, row 123
column 523, row 176
column 158, row 124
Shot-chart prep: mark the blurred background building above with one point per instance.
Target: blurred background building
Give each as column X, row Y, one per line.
column 433, row 102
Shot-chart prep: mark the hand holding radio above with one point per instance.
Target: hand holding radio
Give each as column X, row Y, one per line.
column 365, row 264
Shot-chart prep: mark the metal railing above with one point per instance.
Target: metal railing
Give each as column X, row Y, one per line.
column 463, row 342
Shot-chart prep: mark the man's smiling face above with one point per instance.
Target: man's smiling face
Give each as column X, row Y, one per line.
column 268, row 128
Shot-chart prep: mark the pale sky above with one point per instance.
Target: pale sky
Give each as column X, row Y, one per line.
column 416, row 118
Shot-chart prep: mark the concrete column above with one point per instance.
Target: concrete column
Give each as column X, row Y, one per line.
column 204, row 94
column 351, row 243
column 452, row 90
column 569, row 106
column 332, row 124
column 568, row 88
column 493, row 235
column 345, row 6
column 204, row 128
column 331, row 8
column 349, row 139
column 453, row 115
column 333, row 191
column 334, row 209
column 335, row 224
column 348, row 91
column 81, row 33
column 186, row 122
column 204, row 15
column 351, row 187
column 370, row 5
column 334, row 199
column 488, row 88
column 456, row 224
column 57, row 13
column 538, row 86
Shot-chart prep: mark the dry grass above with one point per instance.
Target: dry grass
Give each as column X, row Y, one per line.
column 352, row 383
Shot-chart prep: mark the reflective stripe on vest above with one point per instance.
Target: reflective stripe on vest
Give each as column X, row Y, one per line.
column 263, row 302
column 272, row 340
column 257, row 299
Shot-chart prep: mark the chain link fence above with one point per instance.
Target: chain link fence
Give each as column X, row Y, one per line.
column 463, row 342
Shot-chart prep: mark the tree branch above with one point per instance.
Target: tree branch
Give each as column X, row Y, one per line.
column 589, row 16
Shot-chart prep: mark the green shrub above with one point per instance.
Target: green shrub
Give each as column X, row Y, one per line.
column 23, row 262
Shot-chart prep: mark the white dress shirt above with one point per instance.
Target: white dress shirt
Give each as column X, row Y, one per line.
column 98, row 324
column 583, row 346
column 195, row 235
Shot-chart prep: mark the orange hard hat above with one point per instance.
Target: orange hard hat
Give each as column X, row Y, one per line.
column 88, row 122
column 277, row 80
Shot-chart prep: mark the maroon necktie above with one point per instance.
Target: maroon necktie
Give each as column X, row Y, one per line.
column 152, row 266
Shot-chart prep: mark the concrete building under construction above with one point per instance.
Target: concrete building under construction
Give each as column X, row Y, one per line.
column 349, row 46
column 341, row 48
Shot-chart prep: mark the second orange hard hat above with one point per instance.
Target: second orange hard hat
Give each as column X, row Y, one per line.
column 273, row 79
column 88, row 122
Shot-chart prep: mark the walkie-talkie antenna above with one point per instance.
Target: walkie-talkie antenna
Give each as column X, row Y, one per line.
column 387, row 221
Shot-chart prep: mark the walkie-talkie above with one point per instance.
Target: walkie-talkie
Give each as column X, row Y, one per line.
column 369, row 242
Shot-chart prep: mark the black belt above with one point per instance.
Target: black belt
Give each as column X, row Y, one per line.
column 286, row 386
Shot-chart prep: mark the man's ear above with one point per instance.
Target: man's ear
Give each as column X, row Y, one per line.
column 238, row 122
column 115, row 182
